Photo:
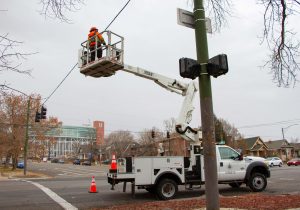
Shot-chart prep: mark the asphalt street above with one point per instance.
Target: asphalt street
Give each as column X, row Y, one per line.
column 71, row 183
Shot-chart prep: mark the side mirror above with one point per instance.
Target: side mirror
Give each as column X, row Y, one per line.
column 241, row 156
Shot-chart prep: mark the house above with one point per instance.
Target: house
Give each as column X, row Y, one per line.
column 296, row 150
column 252, row 146
column 280, row 148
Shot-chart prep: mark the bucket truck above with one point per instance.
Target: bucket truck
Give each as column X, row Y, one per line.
column 163, row 174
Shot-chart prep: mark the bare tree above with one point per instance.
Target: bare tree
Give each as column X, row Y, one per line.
column 118, row 141
column 8, row 54
column 170, row 125
column 219, row 10
column 230, row 129
column 58, row 8
column 282, row 42
column 149, row 145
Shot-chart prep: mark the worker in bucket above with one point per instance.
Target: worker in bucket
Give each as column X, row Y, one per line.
column 95, row 39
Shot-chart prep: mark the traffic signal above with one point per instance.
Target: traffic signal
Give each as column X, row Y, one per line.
column 168, row 134
column 37, row 116
column 217, row 65
column 153, row 134
column 189, row 68
column 43, row 112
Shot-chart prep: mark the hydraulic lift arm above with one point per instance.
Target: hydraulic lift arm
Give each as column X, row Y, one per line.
column 173, row 85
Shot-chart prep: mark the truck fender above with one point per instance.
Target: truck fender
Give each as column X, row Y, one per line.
column 168, row 175
column 258, row 167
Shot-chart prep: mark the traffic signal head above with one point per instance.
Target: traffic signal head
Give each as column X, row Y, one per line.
column 217, row 65
column 43, row 112
column 153, row 134
column 168, row 134
column 189, row 68
column 37, row 116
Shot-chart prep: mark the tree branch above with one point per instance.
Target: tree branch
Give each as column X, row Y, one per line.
column 58, row 8
column 281, row 41
column 8, row 55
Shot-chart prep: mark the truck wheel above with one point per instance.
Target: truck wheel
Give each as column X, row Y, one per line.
column 257, row 182
column 166, row 189
column 235, row 184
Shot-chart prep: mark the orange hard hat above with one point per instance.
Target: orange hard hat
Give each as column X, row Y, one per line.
column 93, row 29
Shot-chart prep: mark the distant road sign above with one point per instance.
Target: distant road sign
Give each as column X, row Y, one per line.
column 186, row 18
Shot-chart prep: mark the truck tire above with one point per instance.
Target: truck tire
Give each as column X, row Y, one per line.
column 166, row 189
column 257, row 182
column 235, row 184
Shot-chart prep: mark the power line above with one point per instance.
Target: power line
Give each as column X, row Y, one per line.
column 117, row 15
column 5, row 86
column 60, row 83
column 270, row 124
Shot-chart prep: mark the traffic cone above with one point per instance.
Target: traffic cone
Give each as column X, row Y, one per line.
column 113, row 165
column 93, row 188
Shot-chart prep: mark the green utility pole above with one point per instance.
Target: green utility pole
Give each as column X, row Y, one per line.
column 26, row 136
column 207, row 120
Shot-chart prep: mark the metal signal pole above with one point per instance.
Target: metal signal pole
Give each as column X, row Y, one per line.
column 207, row 120
column 26, row 136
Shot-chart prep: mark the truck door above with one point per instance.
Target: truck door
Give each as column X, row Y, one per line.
column 229, row 165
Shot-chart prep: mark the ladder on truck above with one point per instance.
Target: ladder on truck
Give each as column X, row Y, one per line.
column 111, row 60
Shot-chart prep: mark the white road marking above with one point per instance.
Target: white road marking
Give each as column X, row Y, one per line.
column 63, row 203
column 286, row 179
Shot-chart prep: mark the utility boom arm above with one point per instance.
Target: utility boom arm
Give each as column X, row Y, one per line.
column 167, row 83
column 187, row 90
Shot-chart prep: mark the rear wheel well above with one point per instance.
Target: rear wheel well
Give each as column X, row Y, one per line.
column 169, row 175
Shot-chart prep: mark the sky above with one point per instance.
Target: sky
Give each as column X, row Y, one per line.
column 246, row 96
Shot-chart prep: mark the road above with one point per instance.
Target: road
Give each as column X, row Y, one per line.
column 71, row 183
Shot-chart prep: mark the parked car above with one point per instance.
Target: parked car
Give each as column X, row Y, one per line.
column 76, row 162
column 86, row 163
column 106, row 162
column 294, row 161
column 274, row 161
column 61, row 161
column 20, row 164
column 54, row 160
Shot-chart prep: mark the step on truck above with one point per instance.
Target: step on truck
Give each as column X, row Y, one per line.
column 163, row 174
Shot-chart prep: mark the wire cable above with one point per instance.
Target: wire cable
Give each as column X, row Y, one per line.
column 117, row 15
column 60, row 84
column 5, row 86
column 270, row 124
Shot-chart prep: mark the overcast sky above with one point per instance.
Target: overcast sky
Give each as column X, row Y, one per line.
column 246, row 96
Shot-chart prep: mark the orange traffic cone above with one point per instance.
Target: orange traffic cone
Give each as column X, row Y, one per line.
column 93, row 188
column 113, row 165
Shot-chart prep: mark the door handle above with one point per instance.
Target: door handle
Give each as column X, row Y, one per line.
column 221, row 164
